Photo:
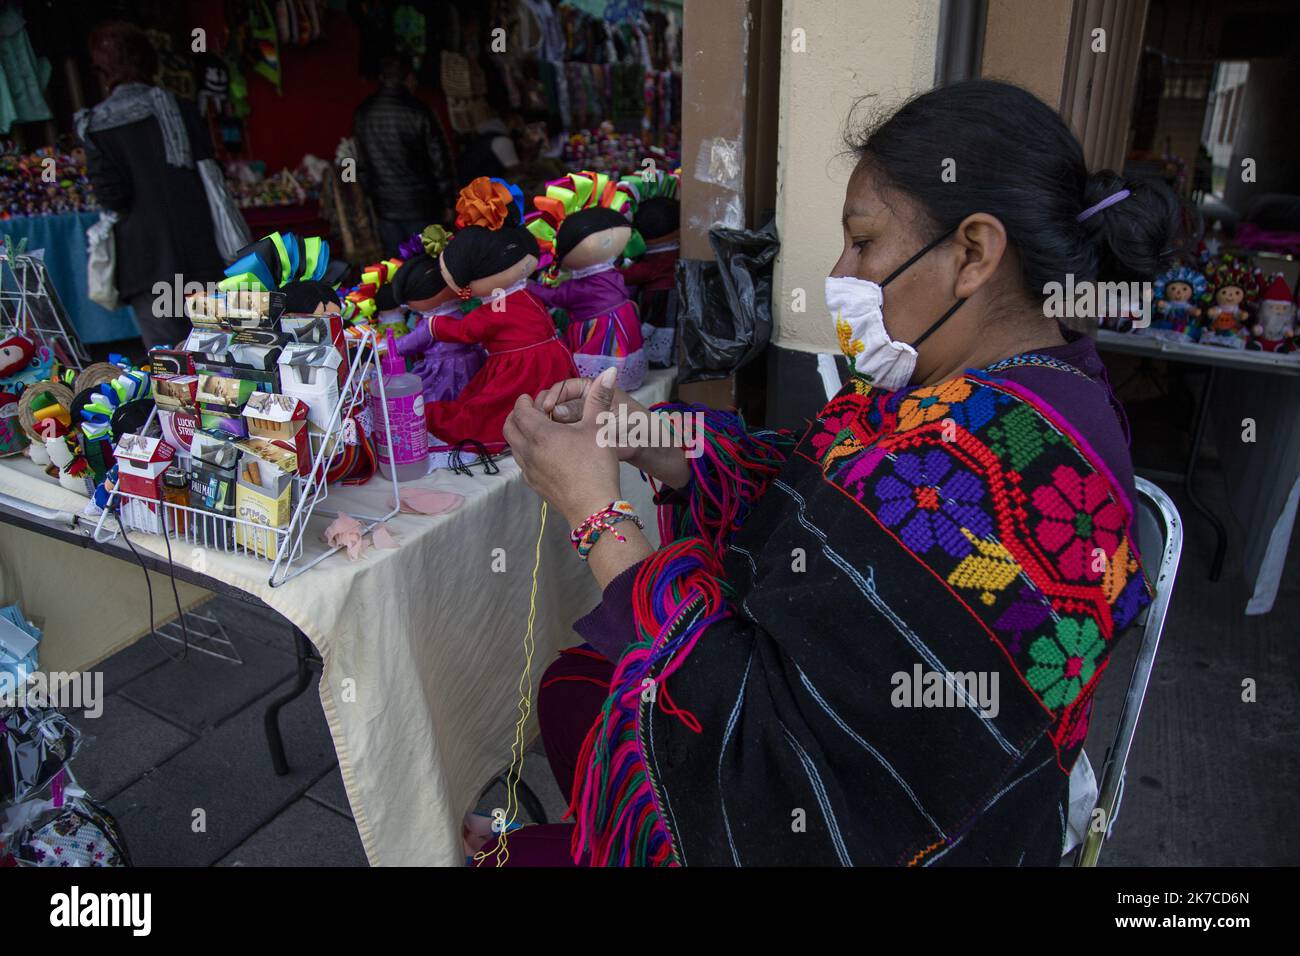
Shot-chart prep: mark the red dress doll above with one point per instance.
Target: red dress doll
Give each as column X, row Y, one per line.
column 524, row 354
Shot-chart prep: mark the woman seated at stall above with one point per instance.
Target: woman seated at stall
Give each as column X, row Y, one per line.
column 875, row 642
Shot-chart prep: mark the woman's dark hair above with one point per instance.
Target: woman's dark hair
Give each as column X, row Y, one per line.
column 1017, row 160
column 122, row 53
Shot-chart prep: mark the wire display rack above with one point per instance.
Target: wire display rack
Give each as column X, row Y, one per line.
column 282, row 547
column 30, row 304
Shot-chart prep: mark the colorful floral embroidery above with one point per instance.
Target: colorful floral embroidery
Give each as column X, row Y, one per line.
column 1080, row 519
column 850, row 346
column 925, row 405
column 1020, row 437
column 932, row 503
column 1009, row 512
column 1065, row 661
column 989, row 571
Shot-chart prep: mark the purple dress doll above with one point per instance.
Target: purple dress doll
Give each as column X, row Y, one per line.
column 443, row 367
column 604, row 328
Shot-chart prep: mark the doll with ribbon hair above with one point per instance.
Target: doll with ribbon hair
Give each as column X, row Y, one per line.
column 444, row 367
column 1236, row 287
column 658, row 222
column 524, row 354
column 604, row 329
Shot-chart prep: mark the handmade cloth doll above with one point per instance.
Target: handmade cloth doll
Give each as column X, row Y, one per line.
column 657, row 220
column 1235, row 284
column 23, row 362
column 524, row 354
column 1177, row 294
column 16, row 352
column 445, row 368
column 1275, row 326
column 604, row 329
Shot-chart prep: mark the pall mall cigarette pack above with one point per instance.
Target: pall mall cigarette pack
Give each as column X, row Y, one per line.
column 213, row 461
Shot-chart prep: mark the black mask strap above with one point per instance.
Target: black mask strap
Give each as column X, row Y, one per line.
column 906, row 265
column 937, row 322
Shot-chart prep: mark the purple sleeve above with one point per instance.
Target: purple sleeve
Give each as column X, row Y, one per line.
column 417, row 341
column 610, row 626
column 562, row 296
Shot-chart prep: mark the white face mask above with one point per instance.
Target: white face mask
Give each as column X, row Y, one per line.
column 857, row 309
column 860, row 325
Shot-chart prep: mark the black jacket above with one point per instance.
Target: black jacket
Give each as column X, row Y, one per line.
column 403, row 159
column 164, row 226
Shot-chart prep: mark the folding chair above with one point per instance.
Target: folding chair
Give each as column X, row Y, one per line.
column 1160, row 533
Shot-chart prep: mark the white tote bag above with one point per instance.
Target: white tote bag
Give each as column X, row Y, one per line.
column 101, row 262
column 229, row 228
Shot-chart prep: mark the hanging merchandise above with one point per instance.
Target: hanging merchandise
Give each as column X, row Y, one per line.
column 23, row 74
column 264, row 47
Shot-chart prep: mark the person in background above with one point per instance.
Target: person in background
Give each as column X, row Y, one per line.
column 488, row 151
column 143, row 146
column 402, row 157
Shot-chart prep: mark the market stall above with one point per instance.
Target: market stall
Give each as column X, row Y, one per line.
column 422, row 645
column 46, row 205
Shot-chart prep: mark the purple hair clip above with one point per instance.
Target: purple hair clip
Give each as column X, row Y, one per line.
column 1108, row 201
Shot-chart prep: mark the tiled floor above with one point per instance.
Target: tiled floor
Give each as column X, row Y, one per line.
column 180, row 757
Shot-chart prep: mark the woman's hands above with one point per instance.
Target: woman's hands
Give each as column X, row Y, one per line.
column 566, row 402
column 565, row 461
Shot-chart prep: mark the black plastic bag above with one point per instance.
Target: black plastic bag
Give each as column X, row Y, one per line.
column 724, row 312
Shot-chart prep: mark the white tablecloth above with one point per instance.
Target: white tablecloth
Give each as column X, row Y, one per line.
column 422, row 645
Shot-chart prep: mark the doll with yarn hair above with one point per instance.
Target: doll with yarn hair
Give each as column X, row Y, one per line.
column 444, row 367
column 658, row 221
column 604, row 329
column 524, row 354
column 1235, row 284
column 1178, row 294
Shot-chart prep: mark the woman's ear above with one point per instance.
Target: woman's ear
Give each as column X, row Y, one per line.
column 983, row 241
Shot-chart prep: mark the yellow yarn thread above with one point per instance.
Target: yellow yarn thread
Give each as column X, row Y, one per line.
column 502, row 850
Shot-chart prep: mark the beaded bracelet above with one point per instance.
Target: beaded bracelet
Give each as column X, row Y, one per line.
column 585, row 535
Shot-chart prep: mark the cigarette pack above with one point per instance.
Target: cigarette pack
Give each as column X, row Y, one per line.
column 277, row 426
column 213, row 461
column 324, row 328
column 310, row 374
column 264, row 497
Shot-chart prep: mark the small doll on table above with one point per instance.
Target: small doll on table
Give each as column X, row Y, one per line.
column 444, row 367
column 524, row 354
column 603, row 329
column 1177, row 293
column 1235, row 284
column 658, row 220
column 1275, row 321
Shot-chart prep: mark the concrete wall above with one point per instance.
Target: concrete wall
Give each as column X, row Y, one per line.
column 851, row 48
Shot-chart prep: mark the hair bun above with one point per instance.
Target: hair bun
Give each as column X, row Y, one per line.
column 1134, row 235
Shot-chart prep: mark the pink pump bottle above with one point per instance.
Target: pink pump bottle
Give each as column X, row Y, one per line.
column 404, row 450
